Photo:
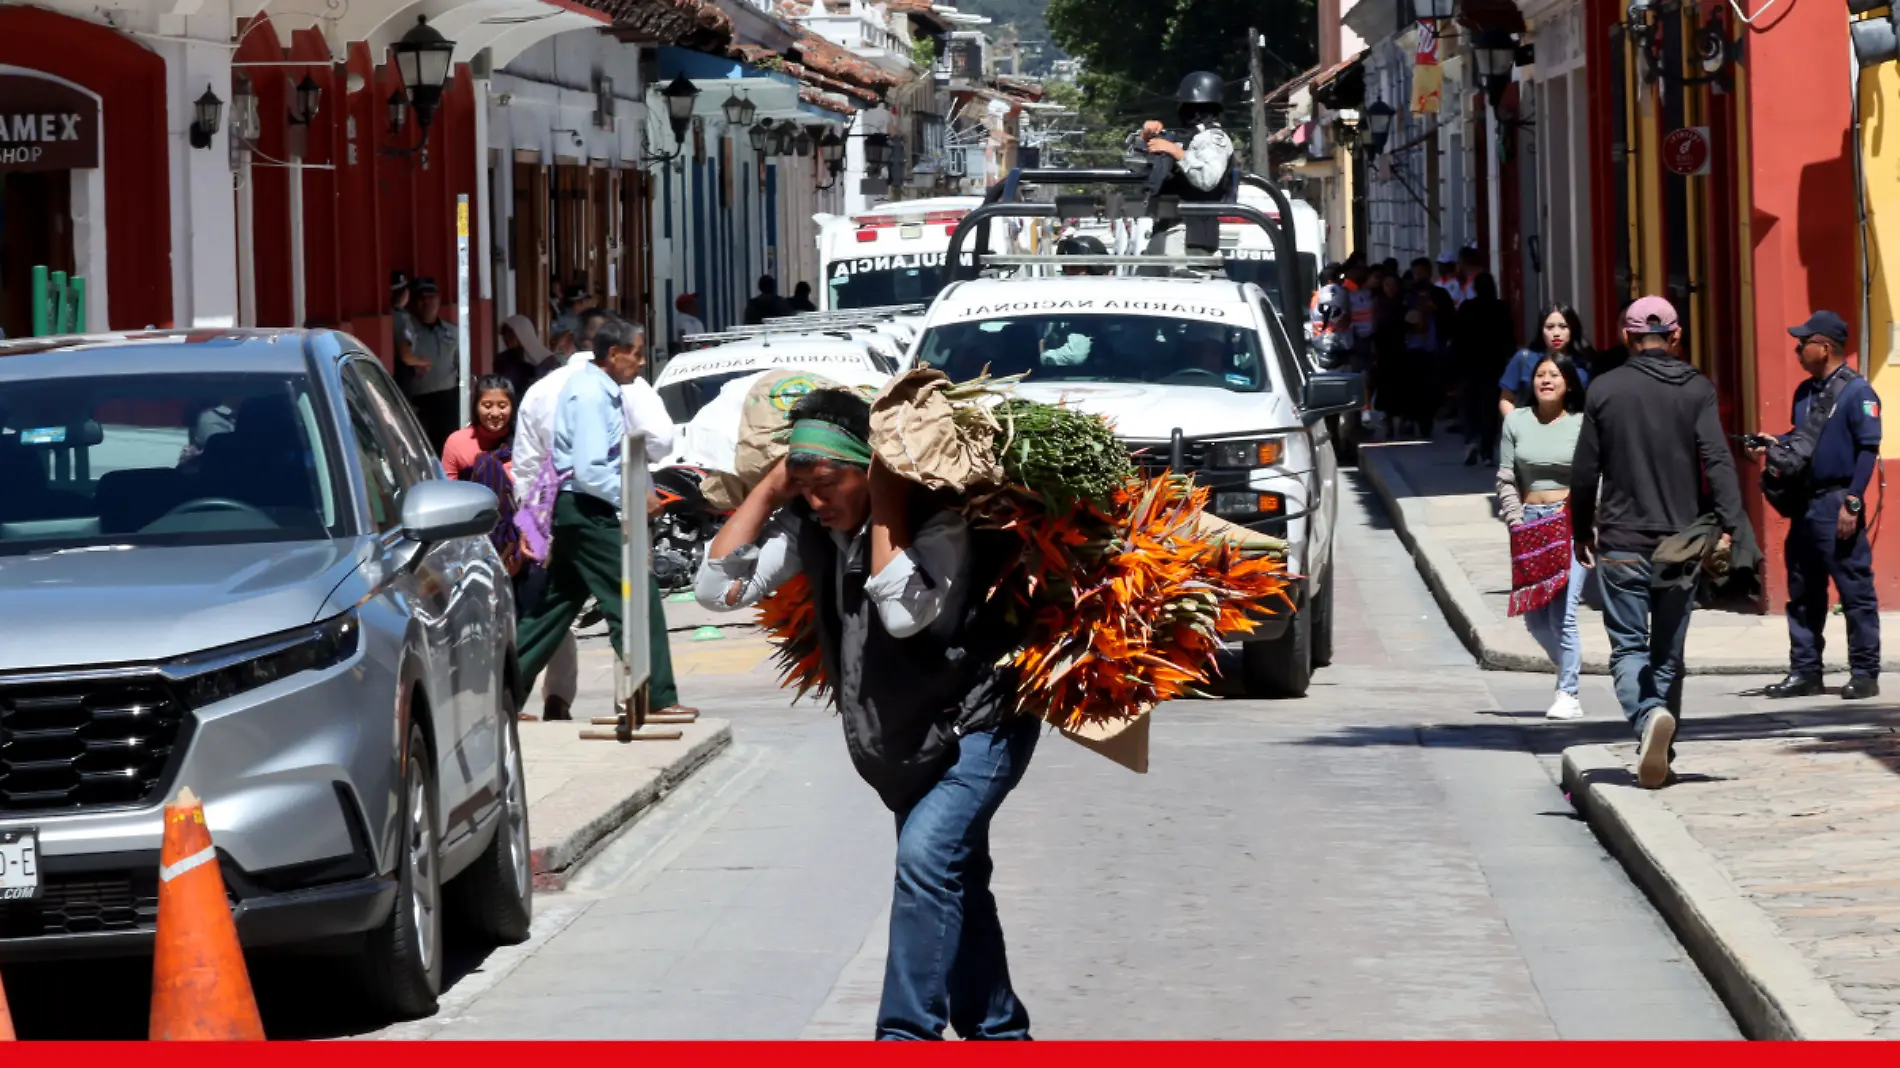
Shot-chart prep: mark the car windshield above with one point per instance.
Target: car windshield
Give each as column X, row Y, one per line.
column 872, row 283
column 163, row 459
column 1101, row 348
column 683, row 400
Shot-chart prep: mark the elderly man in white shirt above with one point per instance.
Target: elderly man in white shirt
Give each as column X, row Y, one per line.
column 534, row 436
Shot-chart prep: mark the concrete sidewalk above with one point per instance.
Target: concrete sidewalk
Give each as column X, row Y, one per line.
column 1446, row 515
column 582, row 793
column 1774, row 858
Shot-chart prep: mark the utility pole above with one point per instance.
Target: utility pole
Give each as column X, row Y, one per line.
column 1257, row 71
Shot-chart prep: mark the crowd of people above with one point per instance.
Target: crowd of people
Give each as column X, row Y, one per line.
column 1615, row 463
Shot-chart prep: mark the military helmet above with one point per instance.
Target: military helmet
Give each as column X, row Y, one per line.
column 1081, row 245
column 1201, row 87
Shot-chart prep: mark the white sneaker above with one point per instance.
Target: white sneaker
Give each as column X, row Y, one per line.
column 1652, row 766
column 1566, row 706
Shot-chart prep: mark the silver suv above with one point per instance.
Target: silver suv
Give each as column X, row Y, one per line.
column 230, row 561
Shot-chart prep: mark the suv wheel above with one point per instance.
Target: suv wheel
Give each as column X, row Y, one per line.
column 1323, row 619
column 403, row 963
column 1282, row 667
column 495, row 896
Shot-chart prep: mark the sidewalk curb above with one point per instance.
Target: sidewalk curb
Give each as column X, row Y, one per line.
column 1463, row 605
column 1456, row 596
column 1765, row 983
column 552, row 863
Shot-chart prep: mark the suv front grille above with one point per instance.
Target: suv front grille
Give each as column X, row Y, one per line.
column 85, row 743
column 1151, row 457
column 93, row 902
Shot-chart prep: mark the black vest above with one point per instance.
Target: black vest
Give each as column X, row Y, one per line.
column 913, row 697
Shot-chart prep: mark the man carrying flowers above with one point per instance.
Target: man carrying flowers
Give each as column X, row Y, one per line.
column 909, row 643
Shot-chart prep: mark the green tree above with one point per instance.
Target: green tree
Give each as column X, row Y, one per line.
column 1134, row 52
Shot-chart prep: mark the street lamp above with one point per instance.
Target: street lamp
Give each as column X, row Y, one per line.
column 1379, row 124
column 397, row 108
column 680, row 95
column 1495, row 53
column 803, row 144
column 761, row 136
column 423, row 58
column 244, row 121
column 207, row 112
column 877, row 152
column 1435, row 10
column 735, row 110
column 747, row 111
column 309, row 98
column 831, row 150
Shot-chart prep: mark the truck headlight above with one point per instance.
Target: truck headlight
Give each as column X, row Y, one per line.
column 1237, row 504
column 1248, row 453
column 221, row 674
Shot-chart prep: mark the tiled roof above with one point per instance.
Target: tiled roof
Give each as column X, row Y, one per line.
column 827, row 101
column 690, row 23
column 921, row 9
column 1027, row 88
column 836, row 62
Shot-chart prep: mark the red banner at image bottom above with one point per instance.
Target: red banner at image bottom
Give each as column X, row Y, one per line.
column 1077, row 1054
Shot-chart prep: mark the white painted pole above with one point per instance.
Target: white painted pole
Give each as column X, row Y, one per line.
column 461, row 300
column 297, row 295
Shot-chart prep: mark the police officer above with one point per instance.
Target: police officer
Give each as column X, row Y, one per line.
column 1082, row 245
column 1830, row 538
column 1203, row 169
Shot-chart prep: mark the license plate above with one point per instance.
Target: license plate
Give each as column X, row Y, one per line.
column 19, row 865
column 910, row 231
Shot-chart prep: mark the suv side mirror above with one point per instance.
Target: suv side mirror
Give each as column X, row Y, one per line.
column 1331, row 393
column 438, row 510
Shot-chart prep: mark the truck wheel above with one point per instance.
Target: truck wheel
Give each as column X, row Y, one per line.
column 1282, row 667
column 402, row 962
column 495, row 896
column 1322, row 610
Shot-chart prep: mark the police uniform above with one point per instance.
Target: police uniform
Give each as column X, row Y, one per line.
column 1814, row 551
column 1204, row 175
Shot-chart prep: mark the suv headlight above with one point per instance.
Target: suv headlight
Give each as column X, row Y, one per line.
column 1247, row 453
column 1248, row 504
column 221, row 674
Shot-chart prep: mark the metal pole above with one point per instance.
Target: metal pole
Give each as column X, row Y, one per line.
column 634, row 668
column 461, row 302
column 42, row 327
column 1257, row 71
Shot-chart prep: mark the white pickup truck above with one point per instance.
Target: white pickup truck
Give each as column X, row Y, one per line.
column 1196, row 374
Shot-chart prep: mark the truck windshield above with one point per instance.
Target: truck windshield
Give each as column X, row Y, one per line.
column 163, row 459
column 1101, row 348
column 1258, row 266
column 875, row 283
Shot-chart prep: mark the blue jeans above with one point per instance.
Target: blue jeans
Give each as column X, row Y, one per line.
column 1555, row 625
column 1648, row 628
column 946, row 963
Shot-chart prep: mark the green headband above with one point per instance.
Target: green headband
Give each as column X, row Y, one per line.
column 828, row 441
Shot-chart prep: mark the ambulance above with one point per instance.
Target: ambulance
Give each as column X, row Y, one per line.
column 893, row 253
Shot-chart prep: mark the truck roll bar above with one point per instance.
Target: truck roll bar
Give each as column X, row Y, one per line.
column 1001, row 201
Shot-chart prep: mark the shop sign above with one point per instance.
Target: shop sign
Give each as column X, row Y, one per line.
column 1427, row 76
column 1685, row 151
column 46, row 125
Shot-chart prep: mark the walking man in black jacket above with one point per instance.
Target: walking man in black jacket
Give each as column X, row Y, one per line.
column 1651, row 433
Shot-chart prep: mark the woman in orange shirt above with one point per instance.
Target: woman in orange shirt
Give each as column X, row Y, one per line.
column 484, row 453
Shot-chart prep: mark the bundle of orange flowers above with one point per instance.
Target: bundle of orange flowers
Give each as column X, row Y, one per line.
column 1126, row 600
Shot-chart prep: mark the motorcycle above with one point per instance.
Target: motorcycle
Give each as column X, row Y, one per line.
column 684, row 528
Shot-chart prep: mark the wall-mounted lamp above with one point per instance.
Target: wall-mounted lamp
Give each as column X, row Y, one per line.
column 207, row 113
column 309, row 96
column 1495, row 52
column 1378, row 125
column 680, row 95
column 244, row 120
column 423, row 58
column 761, row 136
column 831, row 150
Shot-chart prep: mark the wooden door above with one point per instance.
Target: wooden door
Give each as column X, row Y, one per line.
column 636, row 281
column 599, row 235
column 529, row 251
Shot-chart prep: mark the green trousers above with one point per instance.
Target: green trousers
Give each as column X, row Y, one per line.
column 585, row 563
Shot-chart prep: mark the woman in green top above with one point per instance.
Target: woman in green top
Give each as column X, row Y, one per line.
column 1534, row 458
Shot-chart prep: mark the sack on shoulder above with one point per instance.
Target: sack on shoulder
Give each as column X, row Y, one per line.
column 762, row 420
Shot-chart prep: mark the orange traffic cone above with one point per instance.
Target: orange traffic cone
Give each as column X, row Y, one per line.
column 200, row 988
column 6, row 1017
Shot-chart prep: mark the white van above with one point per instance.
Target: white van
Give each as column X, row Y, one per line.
column 894, row 253
column 1248, row 249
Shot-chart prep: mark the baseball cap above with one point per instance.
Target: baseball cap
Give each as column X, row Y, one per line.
column 422, row 285
column 1650, row 315
column 684, row 300
column 1822, row 324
